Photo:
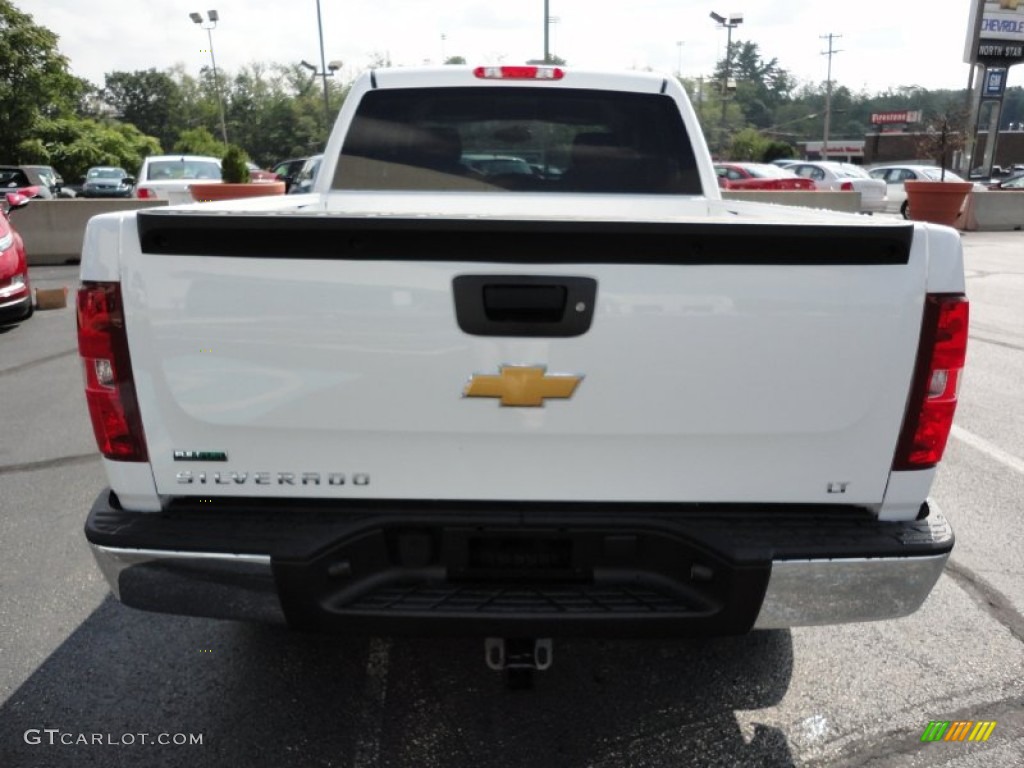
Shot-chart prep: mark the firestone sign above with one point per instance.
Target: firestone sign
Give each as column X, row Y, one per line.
column 997, row 38
column 890, row 118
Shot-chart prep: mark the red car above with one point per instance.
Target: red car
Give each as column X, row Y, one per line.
column 759, row 176
column 257, row 174
column 15, row 291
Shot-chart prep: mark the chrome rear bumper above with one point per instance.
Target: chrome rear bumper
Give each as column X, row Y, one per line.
column 815, row 592
column 800, row 592
column 507, row 570
column 214, row 585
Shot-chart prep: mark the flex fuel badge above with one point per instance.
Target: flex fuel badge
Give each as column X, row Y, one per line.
column 200, row 456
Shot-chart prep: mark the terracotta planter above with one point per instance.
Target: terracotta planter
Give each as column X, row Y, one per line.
column 939, row 202
column 204, row 193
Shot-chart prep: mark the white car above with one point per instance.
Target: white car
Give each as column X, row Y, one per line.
column 168, row 177
column 844, row 177
column 895, row 175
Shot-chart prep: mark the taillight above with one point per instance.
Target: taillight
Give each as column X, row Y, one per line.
column 109, row 388
column 519, row 73
column 846, row 186
column 144, row 193
column 933, row 395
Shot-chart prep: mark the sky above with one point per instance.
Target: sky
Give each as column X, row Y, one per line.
column 883, row 44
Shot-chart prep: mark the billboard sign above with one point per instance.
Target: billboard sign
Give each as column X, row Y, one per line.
column 995, row 32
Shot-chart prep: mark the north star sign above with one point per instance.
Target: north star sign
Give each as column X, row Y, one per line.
column 995, row 32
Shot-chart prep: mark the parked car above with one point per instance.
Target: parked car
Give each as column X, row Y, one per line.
column 168, row 177
column 895, row 175
column 761, row 176
column 287, row 170
column 845, row 177
column 307, row 176
column 107, row 181
column 17, row 178
column 258, row 175
column 15, row 289
column 785, row 162
column 48, row 175
column 1014, row 182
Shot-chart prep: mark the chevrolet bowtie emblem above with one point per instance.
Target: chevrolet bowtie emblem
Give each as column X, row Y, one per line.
column 522, row 385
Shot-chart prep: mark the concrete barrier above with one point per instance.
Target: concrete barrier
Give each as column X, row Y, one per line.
column 849, row 202
column 994, row 212
column 53, row 229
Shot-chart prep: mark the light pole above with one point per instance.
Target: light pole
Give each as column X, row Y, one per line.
column 328, row 71
column 323, row 67
column 679, row 58
column 209, row 26
column 734, row 20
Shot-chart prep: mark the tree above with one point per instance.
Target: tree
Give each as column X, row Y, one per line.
column 777, row 150
column 72, row 145
column 148, row 99
column 944, row 136
column 761, row 86
column 748, row 145
column 34, row 80
column 198, row 141
column 455, row 60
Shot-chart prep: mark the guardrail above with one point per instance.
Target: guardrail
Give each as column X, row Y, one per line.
column 53, row 229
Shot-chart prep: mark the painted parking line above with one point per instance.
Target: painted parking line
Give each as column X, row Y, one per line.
column 990, row 450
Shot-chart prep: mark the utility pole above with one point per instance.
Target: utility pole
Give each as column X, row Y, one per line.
column 828, row 91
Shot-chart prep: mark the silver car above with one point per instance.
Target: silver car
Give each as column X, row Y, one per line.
column 844, row 177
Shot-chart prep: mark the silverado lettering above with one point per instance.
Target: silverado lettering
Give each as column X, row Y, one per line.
column 268, row 478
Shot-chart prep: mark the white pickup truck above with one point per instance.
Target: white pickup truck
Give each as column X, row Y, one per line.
column 562, row 389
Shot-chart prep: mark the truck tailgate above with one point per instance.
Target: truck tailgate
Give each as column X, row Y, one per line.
column 323, row 356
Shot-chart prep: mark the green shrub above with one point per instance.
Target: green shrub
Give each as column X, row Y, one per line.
column 233, row 168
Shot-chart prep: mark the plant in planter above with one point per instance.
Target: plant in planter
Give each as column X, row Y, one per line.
column 235, row 182
column 941, row 201
column 233, row 168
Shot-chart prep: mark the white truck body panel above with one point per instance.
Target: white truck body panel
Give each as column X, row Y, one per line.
column 298, row 367
column 694, row 376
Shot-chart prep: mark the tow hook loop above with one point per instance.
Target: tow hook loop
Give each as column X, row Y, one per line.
column 518, row 657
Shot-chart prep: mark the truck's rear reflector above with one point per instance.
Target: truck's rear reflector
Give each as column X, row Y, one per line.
column 933, row 395
column 109, row 388
column 519, row 73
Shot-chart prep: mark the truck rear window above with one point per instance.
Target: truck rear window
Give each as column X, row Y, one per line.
column 519, row 139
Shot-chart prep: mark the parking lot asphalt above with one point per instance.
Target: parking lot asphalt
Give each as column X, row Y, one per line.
column 76, row 664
